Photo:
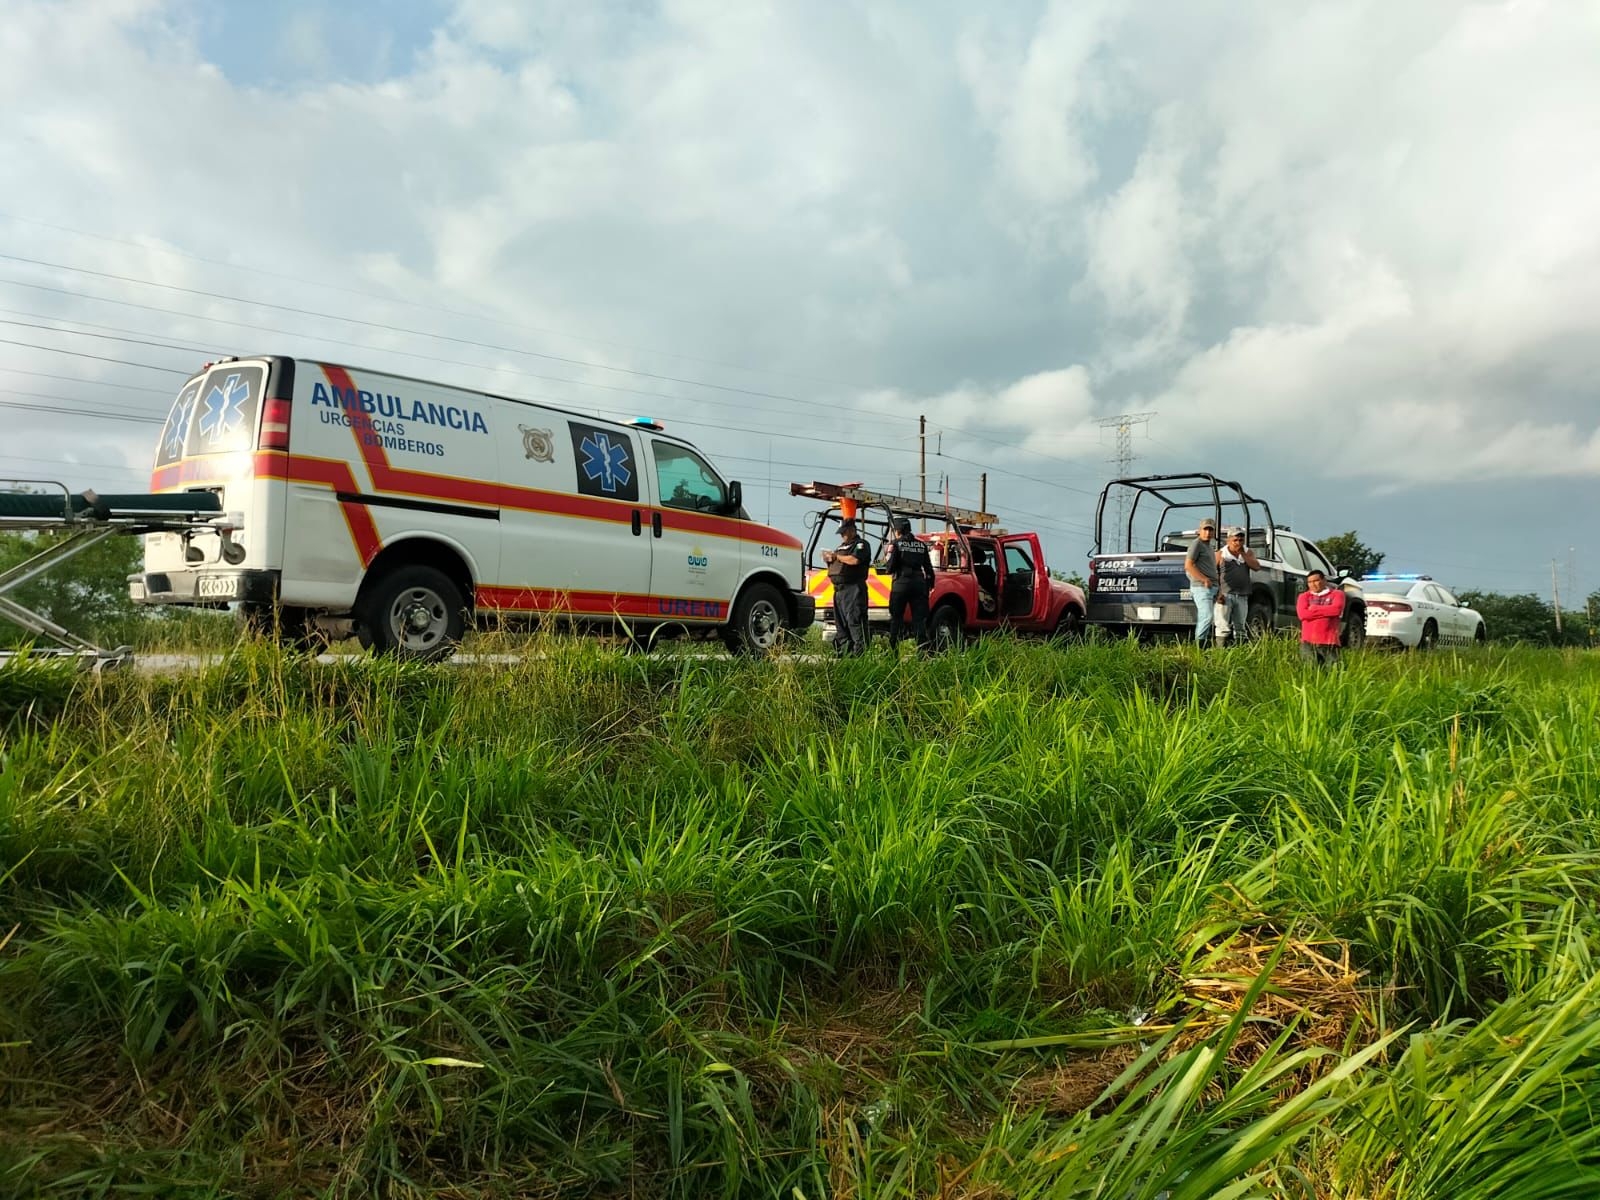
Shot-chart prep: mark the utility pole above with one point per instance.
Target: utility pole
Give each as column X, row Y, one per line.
column 983, row 492
column 1555, row 594
column 1124, row 424
column 922, row 441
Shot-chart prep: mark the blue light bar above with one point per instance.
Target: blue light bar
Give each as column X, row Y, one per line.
column 646, row 423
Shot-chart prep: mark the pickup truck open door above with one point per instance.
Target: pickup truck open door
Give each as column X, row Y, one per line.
column 1025, row 594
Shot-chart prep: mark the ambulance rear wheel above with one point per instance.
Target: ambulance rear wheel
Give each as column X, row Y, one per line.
column 760, row 621
column 292, row 628
column 413, row 612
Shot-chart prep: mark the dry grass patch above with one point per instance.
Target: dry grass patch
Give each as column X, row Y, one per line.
column 1311, row 986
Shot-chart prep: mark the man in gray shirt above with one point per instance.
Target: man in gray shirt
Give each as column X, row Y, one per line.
column 1200, row 565
column 1235, row 564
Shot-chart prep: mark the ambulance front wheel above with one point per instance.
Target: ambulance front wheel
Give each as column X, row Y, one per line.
column 760, row 621
column 413, row 612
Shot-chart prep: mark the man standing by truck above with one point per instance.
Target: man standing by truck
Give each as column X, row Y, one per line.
column 1200, row 565
column 910, row 570
column 847, row 567
column 1319, row 608
column 1234, row 565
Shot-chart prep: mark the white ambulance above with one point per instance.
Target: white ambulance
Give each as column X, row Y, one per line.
column 399, row 511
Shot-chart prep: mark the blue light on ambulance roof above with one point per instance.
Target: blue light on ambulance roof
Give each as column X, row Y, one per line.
column 646, row 423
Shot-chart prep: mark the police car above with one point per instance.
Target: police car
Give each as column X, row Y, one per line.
column 399, row 510
column 1415, row 612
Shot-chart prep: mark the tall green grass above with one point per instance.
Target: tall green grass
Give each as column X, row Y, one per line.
column 594, row 923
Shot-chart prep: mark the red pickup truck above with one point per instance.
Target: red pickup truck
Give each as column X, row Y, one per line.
column 984, row 578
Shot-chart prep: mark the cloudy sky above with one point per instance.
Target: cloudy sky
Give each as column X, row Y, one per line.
column 1347, row 253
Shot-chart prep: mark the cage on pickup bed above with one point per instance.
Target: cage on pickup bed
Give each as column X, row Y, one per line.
column 1152, row 502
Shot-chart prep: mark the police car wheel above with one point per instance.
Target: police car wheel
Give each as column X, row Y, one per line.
column 760, row 621
column 414, row 612
column 1354, row 634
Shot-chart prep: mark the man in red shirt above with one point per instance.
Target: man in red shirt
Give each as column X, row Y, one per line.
column 1320, row 609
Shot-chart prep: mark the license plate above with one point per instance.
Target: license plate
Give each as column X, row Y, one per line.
column 218, row 587
column 1148, row 612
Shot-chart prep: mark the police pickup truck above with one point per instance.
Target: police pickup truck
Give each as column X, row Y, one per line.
column 1146, row 590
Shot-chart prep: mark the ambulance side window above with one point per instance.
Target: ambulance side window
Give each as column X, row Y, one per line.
column 686, row 481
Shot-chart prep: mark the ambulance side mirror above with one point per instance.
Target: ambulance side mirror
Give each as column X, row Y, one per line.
column 735, row 500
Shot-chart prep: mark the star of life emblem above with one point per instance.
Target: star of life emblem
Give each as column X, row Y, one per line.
column 606, row 462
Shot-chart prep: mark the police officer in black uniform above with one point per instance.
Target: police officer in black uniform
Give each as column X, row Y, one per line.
column 847, row 567
column 909, row 566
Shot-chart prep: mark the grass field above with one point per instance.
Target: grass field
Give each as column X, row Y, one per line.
column 1013, row 922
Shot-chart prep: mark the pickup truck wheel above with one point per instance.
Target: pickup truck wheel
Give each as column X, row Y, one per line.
column 1479, row 637
column 760, row 621
column 944, row 628
column 1430, row 637
column 1354, row 634
column 1258, row 622
column 1070, row 627
column 413, row 612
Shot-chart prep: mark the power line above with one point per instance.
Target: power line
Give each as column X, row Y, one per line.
column 84, row 412
column 128, row 387
column 109, row 337
column 322, row 337
column 473, row 316
column 84, row 354
column 57, row 462
column 578, row 383
column 680, row 399
column 443, row 337
column 67, row 400
column 534, row 397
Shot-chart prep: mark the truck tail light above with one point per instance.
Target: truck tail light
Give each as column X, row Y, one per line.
column 275, row 425
column 1389, row 605
column 1094, row 575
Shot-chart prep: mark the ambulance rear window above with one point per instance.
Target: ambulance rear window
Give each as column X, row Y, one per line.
column 215, row 414
column 176, row 431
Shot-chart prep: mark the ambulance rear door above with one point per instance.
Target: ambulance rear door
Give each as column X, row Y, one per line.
column 209, row 443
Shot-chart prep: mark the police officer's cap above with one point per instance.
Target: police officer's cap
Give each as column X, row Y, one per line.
column 847, row 525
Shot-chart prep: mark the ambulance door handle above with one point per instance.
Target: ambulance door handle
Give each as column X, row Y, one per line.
column 636, row 525
column 655, row 523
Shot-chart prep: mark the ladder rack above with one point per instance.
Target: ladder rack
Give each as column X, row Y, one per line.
column 44, row 505
column 900, row 506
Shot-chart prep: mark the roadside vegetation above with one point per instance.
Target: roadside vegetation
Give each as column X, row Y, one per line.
column 1012, row 922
